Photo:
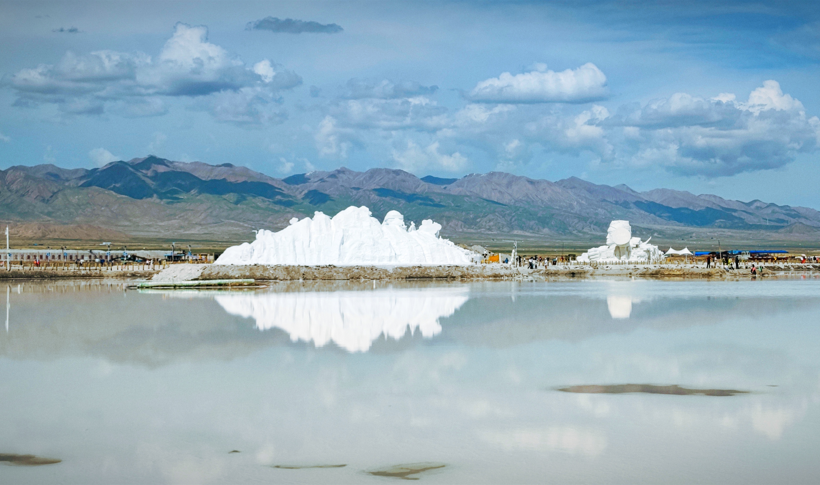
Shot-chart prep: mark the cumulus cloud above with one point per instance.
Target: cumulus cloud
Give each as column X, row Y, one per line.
column 360, row 88
column 586, row 83
column 187, row 66
column 333, row 140
column 292, row 26
column 415, row 113
column 101, row 157
column 252, row 105
column 70, row 30
column 716, row 137
column 4, row 138
column 414, row 158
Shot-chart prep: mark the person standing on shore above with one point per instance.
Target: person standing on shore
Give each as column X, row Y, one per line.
column 737, row 262
column 708, row 262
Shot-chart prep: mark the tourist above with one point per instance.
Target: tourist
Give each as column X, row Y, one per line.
column 708, row 262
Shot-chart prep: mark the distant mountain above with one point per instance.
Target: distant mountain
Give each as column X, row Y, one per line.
column 155, row 197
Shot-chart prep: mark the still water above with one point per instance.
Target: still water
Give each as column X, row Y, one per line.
column 445, row 383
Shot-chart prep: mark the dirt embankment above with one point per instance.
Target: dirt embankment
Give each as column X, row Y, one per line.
column 308, row 273
column 489, row 271
column 29, row 274
column 187, row 272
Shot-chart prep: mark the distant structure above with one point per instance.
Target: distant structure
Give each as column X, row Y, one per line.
column 622, row 247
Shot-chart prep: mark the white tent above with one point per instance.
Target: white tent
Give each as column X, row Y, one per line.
column 685, row 252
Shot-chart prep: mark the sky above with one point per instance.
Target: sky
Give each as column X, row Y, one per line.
column 710, row 97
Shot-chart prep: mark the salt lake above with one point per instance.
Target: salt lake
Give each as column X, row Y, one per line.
column 442, row 382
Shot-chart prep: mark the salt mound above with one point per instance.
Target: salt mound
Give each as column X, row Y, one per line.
column 353, row 320
column 351, row 238
column 621, row 246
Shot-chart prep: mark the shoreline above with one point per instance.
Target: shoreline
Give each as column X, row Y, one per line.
column 478, row 272
column 188, row 272
column 50, row 274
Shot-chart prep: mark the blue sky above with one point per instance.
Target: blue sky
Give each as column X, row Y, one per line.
column 710, row 97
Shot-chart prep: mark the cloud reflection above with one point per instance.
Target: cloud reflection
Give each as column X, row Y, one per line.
column 353, row 320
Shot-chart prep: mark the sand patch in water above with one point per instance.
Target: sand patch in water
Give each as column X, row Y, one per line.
column 649, row 389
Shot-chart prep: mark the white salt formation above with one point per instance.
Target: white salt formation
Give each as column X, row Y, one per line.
column 353, row 320
column 351, row 238
column 621, row 246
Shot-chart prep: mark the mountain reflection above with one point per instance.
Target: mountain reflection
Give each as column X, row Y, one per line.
column 352, row 320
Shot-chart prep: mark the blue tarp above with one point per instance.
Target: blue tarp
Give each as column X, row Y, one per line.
column 735, row 251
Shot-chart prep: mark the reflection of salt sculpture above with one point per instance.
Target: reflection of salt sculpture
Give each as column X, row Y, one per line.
column 621, row 246
column 351, row 319
column 351, row 237
column 620, row 307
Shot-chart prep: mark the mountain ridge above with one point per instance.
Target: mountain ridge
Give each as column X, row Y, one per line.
column 152, row 196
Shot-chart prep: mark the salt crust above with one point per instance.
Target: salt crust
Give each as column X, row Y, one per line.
column 350, row 238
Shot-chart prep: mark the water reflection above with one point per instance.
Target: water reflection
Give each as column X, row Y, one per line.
column 129, row 387
column 353, row 320
column 620, row 307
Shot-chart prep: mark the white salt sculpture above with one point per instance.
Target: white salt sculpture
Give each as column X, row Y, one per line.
column 353, row 320
column 350, row 238
column 621, row 246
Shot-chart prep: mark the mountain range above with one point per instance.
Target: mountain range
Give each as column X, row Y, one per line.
column 153, row 197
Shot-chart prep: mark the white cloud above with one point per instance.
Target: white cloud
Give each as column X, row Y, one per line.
column 50, row 155
column 473, row 114
column 415, row 113
column 253, row 105
column 579, row 85
column 265, row 70
column 771, row 97
column 584, row 129
column 385, row 89
column 414, row 158
column 284, row 166
column 716, row 137
column 4, row 138
column 134, row 83
column 101, row 156
column 331, row 140
column 157, row 142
